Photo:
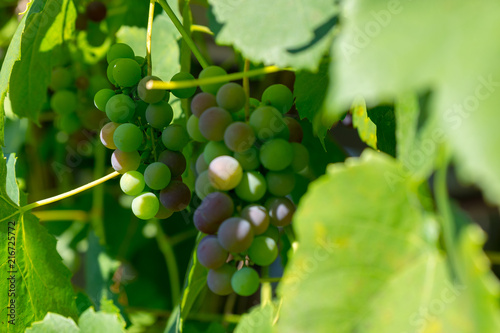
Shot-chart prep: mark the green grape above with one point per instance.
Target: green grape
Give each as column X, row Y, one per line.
column 145, row 206
column 128, row 137
column 300, row 159
column 296, row 132
column 254, row 103
column 201, row 164
column 118, row 51
column 278, row 96
column 281, row 211
column 126, row 72
column 276, row 155
column 110, row 70
column 203, row 186
column 257, row 216
column 175, row 137
column 201, row 102
column 140, row 60
column 219, row 280
column 239, row 137
column 194, row 130
column 263, row 251
column 249, row 159
column 163, row 213
column 102, row 97
column 235, row 235
column 64, row 102
column 120, row 108
column 273, row 232
column 69, row 123
column 245, row 282
column 268, row 123
column 280, row 183
column 60, row 79
column 215, row 149
column 213, row 122
column 225, row 173
column 124, row 162
column 150, row 96
column 252, row 186
column 132, row 183
column 185, row 92
column 211, row 71
column 107, row 133
column 157, row 176
column 159, row 115
column 231, row 97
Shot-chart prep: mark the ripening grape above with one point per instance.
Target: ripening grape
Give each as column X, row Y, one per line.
column 163, row 213
column 239, row 137
column 96, row 11
column 252, row 186
column 118, row 51
column 128, row 137
column 157, row 176
column 263, row 251
column 202, row 102
column 219, row 280
column 278, row 96
column 245, row 282
column 249, row 159
column 213, row 122
column 175, row 161
column 296, row 132
column 185, row 92
column 300, row 159
column 215, row 149
column 150, row 96
column 276, row 154
column 64, row 102
column 193, row 129
column 126, row 72
column 106, row 135
column 145, row 206
column 102, row 97
column 176, row 196
column 280, row 183
column 214, row 209
column 159, row 115
column 202, row 185
column 225, row 173
column 208, row 72
column 175, row 137
column 201, row 164
column 124, row 162
column 273, row 232
column 268, row 123
column 257, row 216
column 280, row 211
column 120, row 108
column 60, row 79
column 210, row 253
column 231, row 97
column 132, row 183
column 235, row 234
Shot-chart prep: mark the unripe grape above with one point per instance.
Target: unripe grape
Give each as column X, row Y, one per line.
column 175, row 137
column 225, row 173
column 185, row 92
column 211, row 71
column 276, row 155
column 280, row 183
column 150, row 96
column 64, row 102
column 249, row 159
column 252, row 186
column 157, row 176
column 268, row 123
column 239, row 137
column 132, row 183
column 215, row 149
column 118, row 51
column 193, row 129
column 278, row 96
column 107, row 133
column 203, row 186
column 245, row 282
column 60, row 79
column 145, row 206
column 102, row 97
column 126, row 72
column 120, row 108
column 273, row 232
column 300, row 159
column 201, row 164
column 128, row 137
column 263, row 251
column 123, row 162
column 231, row 97
column 159, row 115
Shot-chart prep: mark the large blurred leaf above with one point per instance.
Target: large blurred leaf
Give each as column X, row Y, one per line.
column 42, row 281
column 49, row 24
column 389, row 48
column 259, row 319
column 380, row 245
column 281, row 32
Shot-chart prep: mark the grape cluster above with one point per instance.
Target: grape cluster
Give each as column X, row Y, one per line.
column 147, row 147
column 245, row 176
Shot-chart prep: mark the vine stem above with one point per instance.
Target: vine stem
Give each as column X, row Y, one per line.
column 246, row 87
column 153, row 84
column 266, row 291
column 173, row 270
column 201, row 28
column 149, row 35
column 69, row 193
column 185, row 35
column 62, row 215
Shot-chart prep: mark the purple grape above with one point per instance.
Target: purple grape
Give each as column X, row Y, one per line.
column 176, row 196
column 210, row 253
column 235, row 234
column 214, row 209
column 175, row 161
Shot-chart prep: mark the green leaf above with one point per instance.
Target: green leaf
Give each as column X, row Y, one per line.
column 375, row 57
column 49, row 24
column 259, row 319
column 54, row 323
column 384, row 119
column 278, row 32
column 42, row 281
column 367, row 130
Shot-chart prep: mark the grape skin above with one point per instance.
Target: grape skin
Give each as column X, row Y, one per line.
column 150, row 96
column 145, row 206
column 257, row 216
column 213, row 122
column 214, row 209
column 231, row 97
column 126, row 72
column 225, row 173
column 107, row 133
column 235, row 235
column 157, row 176
column 185, row 92
column 239, row 137
column 279, row 96
column 252, row 186
column 263, row 251
column 159, row 115
column 193, row 129
column 208, row 72
column 219, row 280
column 276, row 155
column 245, row 282
column 163, row 213
column 202, row 102
column 281, row 211
column 268, row 123
column 249, row 159
column 273, row 232
column 175, row 161
column 175, row 137
column 120, row 108
column 215, row 149
column 127, row 137
column 203, row 186
column 102, row 97
column 300, row 159
column 132, row 183
column 201, row 164
column 176, row 196
column 210, row 253
column 123, row 162
column 280, row 183
column 118, row 51
column 64, row 102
